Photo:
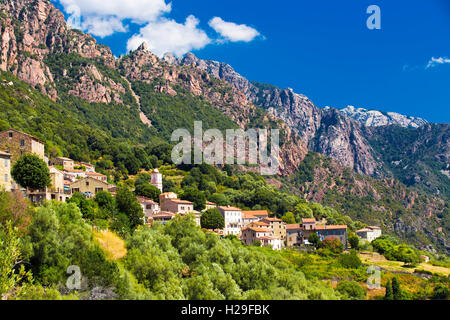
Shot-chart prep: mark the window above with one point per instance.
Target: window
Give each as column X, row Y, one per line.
column 87, row 183
column 10, row 134
column 6, row 163
column 22, row 143
column 6, row 177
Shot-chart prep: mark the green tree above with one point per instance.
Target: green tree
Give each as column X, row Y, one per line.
column 31, row 172
column 396, row 290
column 440, row 292
column 212, row 219
column 350, row 260
column 197, row 197
column 10, row 255
column 354, row 241
column 314, row 239
column 351, row 290
column 288, row 218
column 148, row 191
column 389, row 294
column 128, row 204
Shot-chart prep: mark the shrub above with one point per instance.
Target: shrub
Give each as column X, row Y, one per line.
column 351, row 290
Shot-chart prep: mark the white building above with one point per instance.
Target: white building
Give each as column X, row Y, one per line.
column 370, row 233
column 233, row 220
column 157, row 180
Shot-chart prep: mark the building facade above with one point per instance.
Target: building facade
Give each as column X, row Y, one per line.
column 65, row 163
column 156, row 180
column 17, row 144
column 233, row 220
column 5, row 171
column 293, row 235
column 89, row 186
column 278, row 227
column 370, row 233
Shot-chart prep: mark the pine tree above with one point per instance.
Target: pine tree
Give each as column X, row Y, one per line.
column 389, row 295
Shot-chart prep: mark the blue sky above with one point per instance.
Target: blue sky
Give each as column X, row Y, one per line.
column 322, row 49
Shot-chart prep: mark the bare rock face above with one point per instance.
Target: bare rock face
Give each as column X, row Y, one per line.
column 324, row 130
column 32, row 30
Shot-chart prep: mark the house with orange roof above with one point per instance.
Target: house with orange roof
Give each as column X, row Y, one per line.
column 369, row 233
column 97, row 176
column 264, row 235
column 278, row 227
column 336, row 231
column 169, row 202
column 293, row 235
column 233, row 220
column 260, row 214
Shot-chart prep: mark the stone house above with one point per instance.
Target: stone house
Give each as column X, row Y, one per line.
column 260, row 214
column 89, row 186
column 370, row 233
column 293, row 235
column 65, row 163
column 337, row 231
column 97, row 176
column 210, row 205
column 163, row 217
column 19, row 143
column 278, row 227
column 264, row 235
column 89, row 167
column 248, row 218
column 5, row 171
column 150, row 208
column 169, row 202
column 233, row 220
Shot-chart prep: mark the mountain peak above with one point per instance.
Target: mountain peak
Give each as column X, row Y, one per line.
column 375, row 118
column 143, row 47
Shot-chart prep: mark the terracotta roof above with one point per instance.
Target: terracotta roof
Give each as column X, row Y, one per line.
column 256, row 212
column 181, row 201
column 268, row 238
column 5, row 154
column 74, row 170
column 260, row 223
column 163, row 214
column 273, row 219
column 248, row 216
column 62, row 158
column 308, row 220
column 146, row 200
column 229, row 208
column 210, row 203
column 293, row 226
column 373, row 227
column 257, row 229
column 331, row 227
column 95, row 174
column 364, row 230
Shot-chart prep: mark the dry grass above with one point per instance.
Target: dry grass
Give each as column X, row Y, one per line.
column 381, row 261
column 112, row 244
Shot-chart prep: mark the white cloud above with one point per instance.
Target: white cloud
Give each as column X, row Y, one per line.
column 233, row 32
column 103, row 26
column 103, row 18
column 169, row 36
column 139, row 11
column 437, row 61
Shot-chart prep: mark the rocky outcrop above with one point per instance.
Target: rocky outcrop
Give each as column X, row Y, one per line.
column 32, row 29
column 374, row 118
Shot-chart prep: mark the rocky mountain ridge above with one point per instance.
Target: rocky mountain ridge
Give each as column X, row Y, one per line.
column 374, row 118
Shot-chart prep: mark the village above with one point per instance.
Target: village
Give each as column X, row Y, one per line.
column 69, row 177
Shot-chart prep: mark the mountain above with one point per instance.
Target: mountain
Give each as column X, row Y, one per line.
column 74, row 95
column 345, row 135
column 374, row 118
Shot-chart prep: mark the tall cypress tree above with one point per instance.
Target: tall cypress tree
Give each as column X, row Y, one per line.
column 396, row 291
column 389, row 295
